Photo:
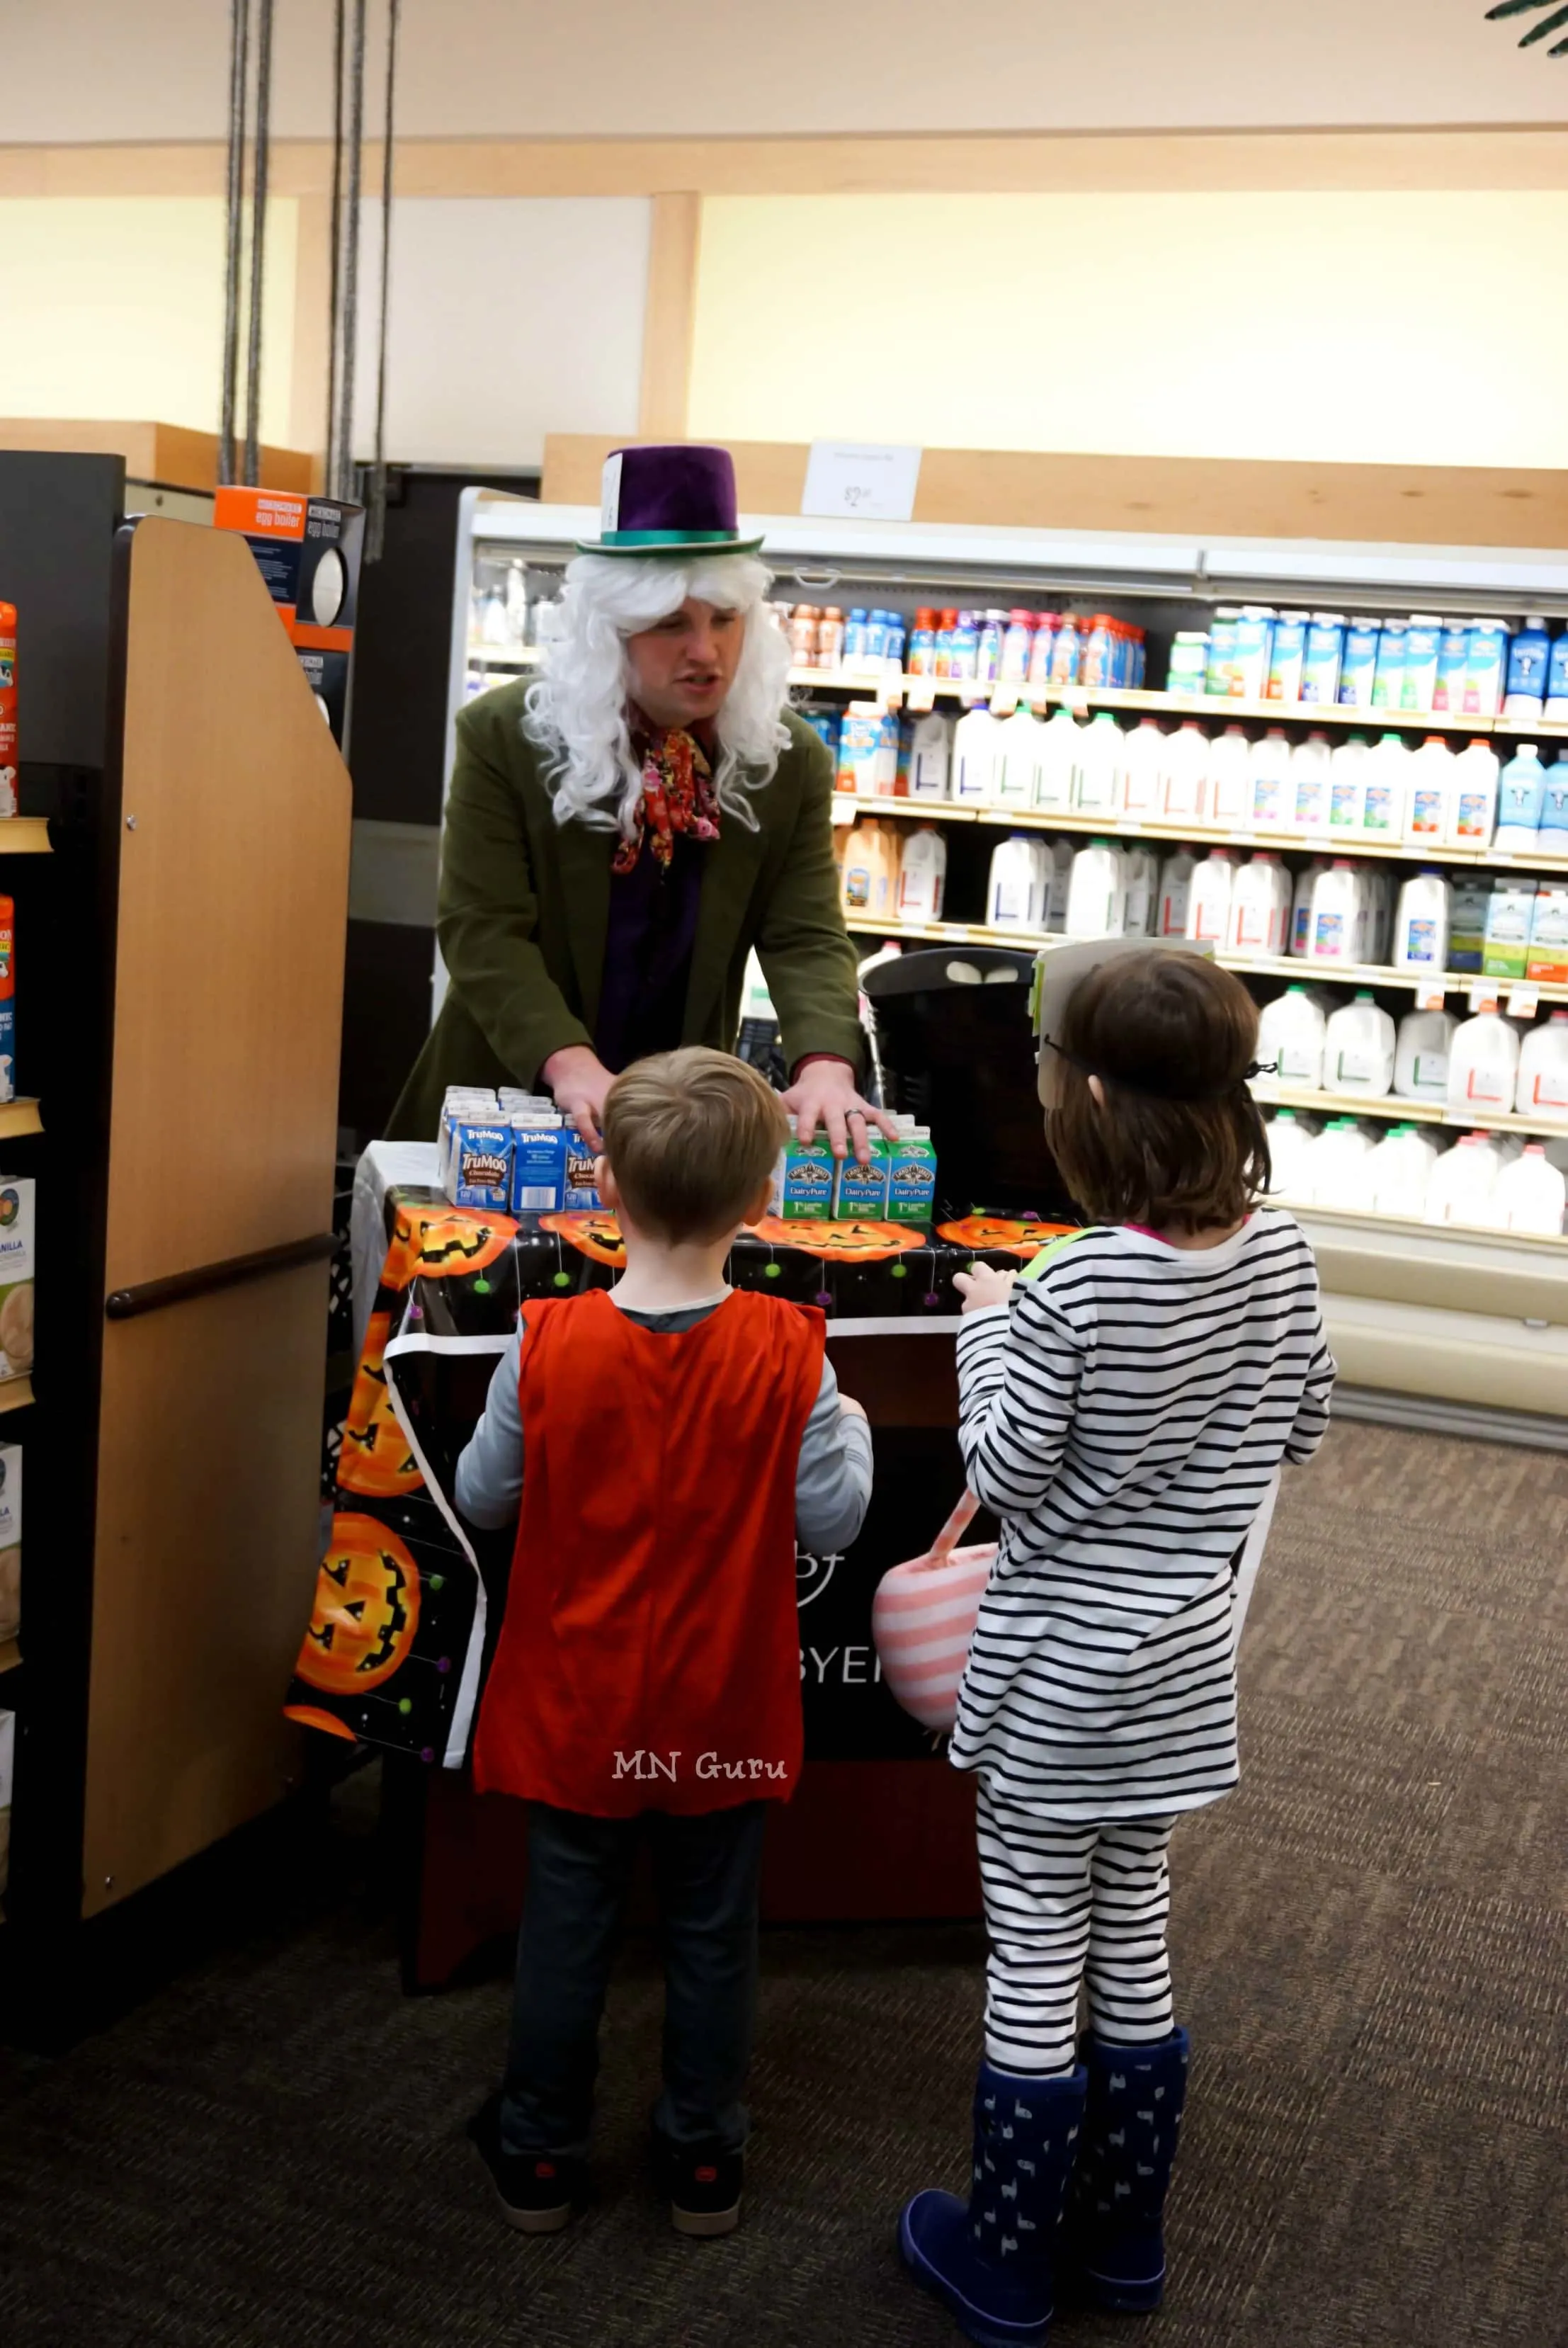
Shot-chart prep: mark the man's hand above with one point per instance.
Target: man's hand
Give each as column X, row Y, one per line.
column 824, row 1094
column 984, row 1286
column 579, row 1081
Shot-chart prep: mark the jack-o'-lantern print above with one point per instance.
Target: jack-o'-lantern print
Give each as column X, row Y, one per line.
column 592, row 1230
column 366, row 1609
column 1000, row 1234
column 375, row 1460
column 849, row 1241
column 431, row 1243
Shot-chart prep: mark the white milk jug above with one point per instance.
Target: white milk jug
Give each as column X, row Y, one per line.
column 922, row 875
column 1337, row 1168
column 1175, row 892
column 1347, row 788
column 1429, row 809
column 1100, row 765
column 1184, row 775
column 1483, row 1065
column 1096, row 895
column 1474, row 805
column 1259, row 906
column 1268, row 765
column 1292, row 1032
column 1309, row 779
column 1142, row 760
column 1398, row 1171
column 1421, row 1056
column 1543, row 1087
column 1208, row 900
column 1462, row 1181
column 931, row 756
column 1290, row 1141
column 1358, row 1049
column 1230, row 781
column 1421, row 924
column 1059, row 880
column 1337, row 914
column 1018, row 885
column 1057, row 762
column 1530, row 1195
column 1386, row 791
column 977, row 744
column 1140, row 877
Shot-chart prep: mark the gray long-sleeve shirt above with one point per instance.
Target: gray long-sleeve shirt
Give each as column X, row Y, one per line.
column 832, row 1482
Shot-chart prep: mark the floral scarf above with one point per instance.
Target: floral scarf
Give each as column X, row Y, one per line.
column 677, row 794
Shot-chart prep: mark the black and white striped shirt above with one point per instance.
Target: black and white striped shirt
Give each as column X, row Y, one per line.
column 1124, row 1419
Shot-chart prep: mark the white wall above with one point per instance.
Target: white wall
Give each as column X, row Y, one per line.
column 99, row 70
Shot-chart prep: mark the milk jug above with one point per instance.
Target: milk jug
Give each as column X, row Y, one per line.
column 1290, row 1154
column 1387, row 790
column 922, row 875
column 1292, row 1032
column 1399, row 1172
column 1309, row 773
column 1141, row 880
column 1059, row 881
column 1337, row 1168
column 1358, row 1049
column 1020, row 879
column 975, row 747
column 1018, row 741
column 1208, row 904
column 1421, row 1056
column 870, row 870
column 1554, row 806
column 1529, row 659
column 1543, row 1087
column 1099, row 765
column 1337, row 914
column 1057, row 762
column 1230, row 786
column 1429, row 812
column 1521, row 791
column 1483, row 1065
column 1474, row 802
column 931, row 758
column 1461, row 1184
column 1175, row 890
column 1346, row 787
column 1301, row 907
column 1269, row 767
column 1142, row 760
column 1530, row 1195
column 1377, row 890
column 1259, row 906
column 1421, row 924
column 1184, row 776
column 1096, row 897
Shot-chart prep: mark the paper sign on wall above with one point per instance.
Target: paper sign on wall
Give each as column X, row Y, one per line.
column 860, row 481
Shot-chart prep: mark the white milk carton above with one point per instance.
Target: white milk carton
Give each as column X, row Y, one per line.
column 1421, row 1055
column 1259, row 906
column 538, row 1164
column 1483, row 1065
column 1542, row 1089
column 1421, row 924
column 922, row 875
column 1292, row 1032
column 1209, row 902
column 1530, row 1195
column 1400, row 1170
column 1358, row 1049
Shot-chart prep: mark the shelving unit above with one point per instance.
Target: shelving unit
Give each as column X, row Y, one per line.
column 1408, row 1112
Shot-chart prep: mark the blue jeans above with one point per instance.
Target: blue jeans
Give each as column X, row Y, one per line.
column 705, row 1874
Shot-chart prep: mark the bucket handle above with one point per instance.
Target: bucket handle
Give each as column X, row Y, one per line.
column 946, row 1540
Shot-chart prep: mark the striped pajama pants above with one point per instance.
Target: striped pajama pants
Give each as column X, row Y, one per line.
column 1064, row 1900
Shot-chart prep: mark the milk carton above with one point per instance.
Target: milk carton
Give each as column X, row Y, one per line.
column 1548, row 958
column 1453, row 659
column 1520, row 794
column 1288, row 652
column 1292, row 1032
column 930, row 757
column 479, row 1165
column 1470, row 896
column 807, row 1179
column 1358, row 663
column 1389, row 676
column 922, row 875
column 1473, row 808
column 1530, row 1195
column 1484, row 670
column 912, row 1178
column 1058, row 761
column 1510, row 913
column 1220, row 674
column 578, row 1185
column 1358, row 1049
column 1421, row 924
column 1483, row 1065
column 1255, row 650
column 1421, row 1056
column 1230, row 781
column 1320, row 667
column 1418, row 678
column 538, row 1164
column 861, row 1192
column 1399, row 1172
column 1543, row 1087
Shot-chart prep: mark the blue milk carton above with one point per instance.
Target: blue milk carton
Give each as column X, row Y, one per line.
column 1453, row 661
column 1557, row 680
column 578, row 1188
column 538, row 1164
column 1388, row 678
column 1552, row 837
column 479, row 1169
column 1358, row 663
column 805, row 1183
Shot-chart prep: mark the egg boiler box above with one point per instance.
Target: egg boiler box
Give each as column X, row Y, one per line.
column 308, row 552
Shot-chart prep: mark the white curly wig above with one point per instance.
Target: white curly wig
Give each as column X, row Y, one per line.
column 577, row 710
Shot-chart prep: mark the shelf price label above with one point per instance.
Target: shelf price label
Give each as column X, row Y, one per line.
column 1004, row 700
column 919, row 696
column 1430, row 995
column 863, row 480
column 1483, row 993
column 1523, row 1002
column 843, row 807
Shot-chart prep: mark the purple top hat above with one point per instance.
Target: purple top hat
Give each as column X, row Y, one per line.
column 669, row 500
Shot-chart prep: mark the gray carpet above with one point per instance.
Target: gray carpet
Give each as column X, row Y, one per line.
column 1372, row 1949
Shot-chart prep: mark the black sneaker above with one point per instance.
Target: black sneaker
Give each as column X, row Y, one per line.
column 702, row 2182
column 538, row 2190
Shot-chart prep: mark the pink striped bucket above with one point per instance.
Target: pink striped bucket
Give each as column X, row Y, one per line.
column 922, row 1619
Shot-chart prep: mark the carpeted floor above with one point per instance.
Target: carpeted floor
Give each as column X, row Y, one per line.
column 1372, row 1950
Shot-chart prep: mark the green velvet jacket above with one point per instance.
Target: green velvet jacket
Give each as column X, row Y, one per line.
column 524, row 907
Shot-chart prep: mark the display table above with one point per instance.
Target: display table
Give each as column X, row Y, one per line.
column 410, row 1596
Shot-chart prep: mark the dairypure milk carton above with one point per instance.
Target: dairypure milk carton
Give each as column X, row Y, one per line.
column 1509, row 916
column 861, row 1192
column 1548, row 958
column 805, row 1179
column 1469, row 899
column 538, row 1163
column 912, row 1178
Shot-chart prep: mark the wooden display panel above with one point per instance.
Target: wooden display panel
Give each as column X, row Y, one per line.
column 233, row 880
column 205, row 1561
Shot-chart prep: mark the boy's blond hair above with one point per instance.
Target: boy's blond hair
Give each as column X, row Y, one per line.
column 691, row 1136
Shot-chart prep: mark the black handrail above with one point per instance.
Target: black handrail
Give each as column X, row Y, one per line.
column 151, row 1295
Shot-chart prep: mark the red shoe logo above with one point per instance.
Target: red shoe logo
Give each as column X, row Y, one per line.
column 708, row 2176
column 544, row 2169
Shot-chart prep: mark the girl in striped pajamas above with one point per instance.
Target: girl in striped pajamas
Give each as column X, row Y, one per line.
column 1124, row 1407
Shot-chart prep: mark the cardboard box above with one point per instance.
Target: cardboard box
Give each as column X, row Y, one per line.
column 17, row 1266
column 10, row 1540
column 308, row 552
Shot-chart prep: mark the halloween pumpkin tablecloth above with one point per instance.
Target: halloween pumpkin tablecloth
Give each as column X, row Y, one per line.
column 408, row 1596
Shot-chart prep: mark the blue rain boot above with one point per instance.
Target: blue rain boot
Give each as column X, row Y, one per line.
column 991, row 2262
column 1113, row 2252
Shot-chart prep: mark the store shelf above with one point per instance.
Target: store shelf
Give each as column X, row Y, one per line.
column 1363, row 1219
column 15, row 1394
column 895, row 685
column 18, row 1118
column 500, row 656
column 23, row 835
column 1405, row 1112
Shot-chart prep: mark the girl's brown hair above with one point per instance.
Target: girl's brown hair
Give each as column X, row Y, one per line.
column 1179, row 1142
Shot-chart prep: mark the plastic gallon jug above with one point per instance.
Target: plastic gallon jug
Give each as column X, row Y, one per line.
column 1057, row 762
column 922, row 875
column 1557, row 680
column 1309, row 787
column 1059, row 858
column 1337, row 914
column 1290, row 1141
column 1019, row 883
column 1421, row 1055
column 1555, row 807
column 1483, row 1065
column 870, row 870
column 1388, row 788
column 1142, row 760
column 1358, row 1049
column 1100, row 765
column 1209, row 902
column 1259, row 906
column 1473, row 808
column 1184, row 775
column 1175, row 892
column 1429, row 810
column 1347, row 788
column 1229, row 790
column 1462, row 1182
column 931, row 758
column 1292, row 1033
column 1543, row 1087
column 1528, row 661
column 1530, row 1195
column 1270, row 792
column 1377, row 890
column 1421, row 924
column 1398, row 1171
column 1521, row 796
column 1016, row 767
column 977, row 744
column 1301, row 907
column 1140, row 875
column 1337, row 1168
column 1096, row 895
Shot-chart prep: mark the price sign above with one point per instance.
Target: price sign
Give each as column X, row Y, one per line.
column 1004, row 700
column 1523, row 1002
column 1483, row 995
column 919, row 696
column 1429, row 996
column 865, row 480
column 843, row 807
column 1074, row 700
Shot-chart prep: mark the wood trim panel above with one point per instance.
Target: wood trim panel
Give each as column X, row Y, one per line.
column 669, row 321
column 1203, row 495
column 173, row 454
column 308, row 378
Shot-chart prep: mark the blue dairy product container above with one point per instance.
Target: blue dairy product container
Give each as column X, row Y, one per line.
column 1520, row 797
column 1418, row 678
column 824, row 723
column 1286, row 659
column 538, row 1167
column 1222, row 651
column 578, row 1188
column 1388, row 681
column 1255, row 651
column 966, row 652
column 1529, row 659
column 1485, row 668
column 855, row 636
column 922, row 652
column 1320, row 663
column 479, row 1166
column 1453, row 663
column 1554, row 806
column 1358, row 663
column 876, row 636
column 1557, row 680
column 988, row 650
column 897, row 637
